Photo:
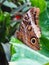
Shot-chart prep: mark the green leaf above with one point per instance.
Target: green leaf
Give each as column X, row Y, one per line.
column 44, row 24
column 45, row 42
column 15, row 40
column 44, row 46
column 12, row 50
column 46, row 64
column 4, row 25
column 1, row 16
column 24, row 53
column 39, row 3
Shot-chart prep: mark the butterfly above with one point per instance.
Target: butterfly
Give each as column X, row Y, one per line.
column 29, row 31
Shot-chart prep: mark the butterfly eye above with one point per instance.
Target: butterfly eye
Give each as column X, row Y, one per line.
column 33, row 40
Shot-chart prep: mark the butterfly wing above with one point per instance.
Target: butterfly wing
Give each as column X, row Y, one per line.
column 29, row 28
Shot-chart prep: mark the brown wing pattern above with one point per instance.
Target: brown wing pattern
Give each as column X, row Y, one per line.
column 29, row 28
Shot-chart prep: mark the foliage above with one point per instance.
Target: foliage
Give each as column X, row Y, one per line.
column 4, row 25
column 44, row 24
column 24, row 52
column 39, row 3
column 7, row 28
column 47, row 64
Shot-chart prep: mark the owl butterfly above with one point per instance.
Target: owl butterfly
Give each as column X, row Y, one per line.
column 29, row 31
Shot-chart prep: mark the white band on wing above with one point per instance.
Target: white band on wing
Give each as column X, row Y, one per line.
column 36, row 29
